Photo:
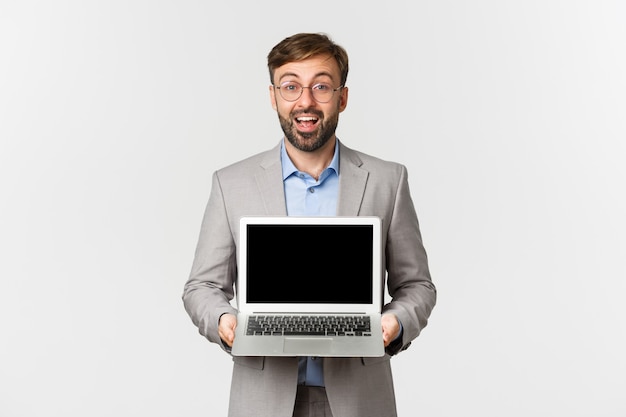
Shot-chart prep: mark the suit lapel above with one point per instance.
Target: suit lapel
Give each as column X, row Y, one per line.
column 270, row 182
column 352, row 182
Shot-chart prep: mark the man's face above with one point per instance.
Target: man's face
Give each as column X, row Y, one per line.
column 307, row 123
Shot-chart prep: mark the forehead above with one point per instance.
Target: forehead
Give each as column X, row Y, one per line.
column 315, row 67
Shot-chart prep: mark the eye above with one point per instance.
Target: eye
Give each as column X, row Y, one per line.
column 322, row 87
column 290, row 86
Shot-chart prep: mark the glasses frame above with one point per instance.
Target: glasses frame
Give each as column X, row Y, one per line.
column 311, row 87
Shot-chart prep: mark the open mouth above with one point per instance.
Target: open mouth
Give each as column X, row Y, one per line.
column 306, row 123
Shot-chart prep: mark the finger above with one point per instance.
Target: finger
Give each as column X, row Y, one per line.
column 386, row 339
column 226, row 330
column 228, row 336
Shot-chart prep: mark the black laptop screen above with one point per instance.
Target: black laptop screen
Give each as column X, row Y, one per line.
column 297, row 263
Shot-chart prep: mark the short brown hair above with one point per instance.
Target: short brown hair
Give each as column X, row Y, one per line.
column 303, row 46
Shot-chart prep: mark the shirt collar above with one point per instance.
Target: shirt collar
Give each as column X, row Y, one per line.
column 289, row 168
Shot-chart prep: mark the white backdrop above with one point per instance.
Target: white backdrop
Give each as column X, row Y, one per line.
column 510, row 116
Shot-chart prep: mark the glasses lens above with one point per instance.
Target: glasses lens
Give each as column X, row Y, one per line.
column 322, row 92
column 290, row 91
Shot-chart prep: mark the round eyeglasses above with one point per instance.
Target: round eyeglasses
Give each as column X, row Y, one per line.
column 321, row 92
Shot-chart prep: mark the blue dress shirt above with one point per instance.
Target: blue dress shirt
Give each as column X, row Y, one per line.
column 306, row 196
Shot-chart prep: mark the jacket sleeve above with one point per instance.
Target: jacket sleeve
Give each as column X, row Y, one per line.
column 413, row 294
column 210, row 288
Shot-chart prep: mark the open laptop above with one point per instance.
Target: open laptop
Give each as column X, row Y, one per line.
column 309, row 286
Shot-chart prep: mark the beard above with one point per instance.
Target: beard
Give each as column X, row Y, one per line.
column 309, row 142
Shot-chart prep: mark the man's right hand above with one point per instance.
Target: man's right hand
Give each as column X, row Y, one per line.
column 226, row 328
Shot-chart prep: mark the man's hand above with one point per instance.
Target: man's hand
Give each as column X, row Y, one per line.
column 226, row 328
column 391, row 328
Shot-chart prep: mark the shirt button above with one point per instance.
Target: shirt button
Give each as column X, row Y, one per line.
column 311, row 190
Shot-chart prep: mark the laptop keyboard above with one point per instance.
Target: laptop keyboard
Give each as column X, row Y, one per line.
column 277, row 325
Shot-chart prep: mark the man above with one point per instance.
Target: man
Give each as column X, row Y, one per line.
column 310, row 172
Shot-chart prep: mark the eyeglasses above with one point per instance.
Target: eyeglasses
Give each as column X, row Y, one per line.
column 322, row 92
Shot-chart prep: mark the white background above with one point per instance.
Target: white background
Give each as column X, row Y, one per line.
column 510, row 116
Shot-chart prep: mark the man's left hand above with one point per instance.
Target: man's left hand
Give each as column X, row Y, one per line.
column 391, row 328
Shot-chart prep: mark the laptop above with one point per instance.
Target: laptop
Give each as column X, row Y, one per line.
column 309, row 286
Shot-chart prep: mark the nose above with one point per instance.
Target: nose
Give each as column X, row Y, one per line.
column 306, row 99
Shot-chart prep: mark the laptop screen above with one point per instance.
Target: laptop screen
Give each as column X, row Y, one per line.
column 304, row 263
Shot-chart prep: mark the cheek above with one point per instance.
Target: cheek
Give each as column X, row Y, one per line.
column 282, row 108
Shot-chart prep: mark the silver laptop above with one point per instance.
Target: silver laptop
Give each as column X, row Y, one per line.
column 309, row 286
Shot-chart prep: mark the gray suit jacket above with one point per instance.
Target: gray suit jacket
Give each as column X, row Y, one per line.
column 368, row 186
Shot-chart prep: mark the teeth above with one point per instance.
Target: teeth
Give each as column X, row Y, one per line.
column 306, row 119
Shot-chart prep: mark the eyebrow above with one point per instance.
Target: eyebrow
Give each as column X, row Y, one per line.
column 319, row 74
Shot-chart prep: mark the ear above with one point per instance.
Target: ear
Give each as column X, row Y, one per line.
column 273, row 97
column 343, row 99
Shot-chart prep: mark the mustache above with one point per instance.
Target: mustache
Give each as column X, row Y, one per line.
column 315, row 112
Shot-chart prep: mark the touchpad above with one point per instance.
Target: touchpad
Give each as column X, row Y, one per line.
column 299, row 345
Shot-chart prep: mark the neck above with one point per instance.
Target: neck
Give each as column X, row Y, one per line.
column 315, row 162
